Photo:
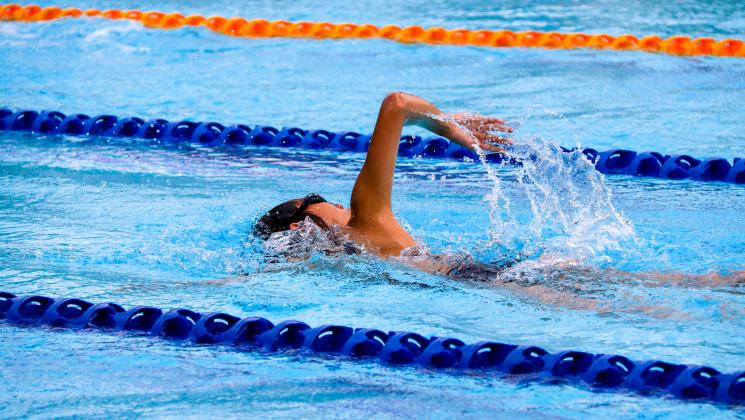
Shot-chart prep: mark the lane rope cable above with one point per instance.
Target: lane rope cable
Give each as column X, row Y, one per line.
column 603, row 372
column 261, row 28
column 214, row 134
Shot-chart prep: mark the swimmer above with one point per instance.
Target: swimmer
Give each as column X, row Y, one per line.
column 369, row 223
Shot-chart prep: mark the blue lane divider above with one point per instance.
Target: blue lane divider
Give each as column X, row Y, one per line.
column 599, row 371
column 213, row 134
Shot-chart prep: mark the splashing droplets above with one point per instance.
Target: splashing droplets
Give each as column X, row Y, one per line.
column 571, row 209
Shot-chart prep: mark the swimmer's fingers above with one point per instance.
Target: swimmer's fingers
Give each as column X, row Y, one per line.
column 485, row 137
column 492, row 120
column 488, row 121
column 489, row 147
column 476, row 119
column 480, row 127
column 497, row 127
column 494, row 124
column 496, row 139
column 489, row 143
column 487, row 124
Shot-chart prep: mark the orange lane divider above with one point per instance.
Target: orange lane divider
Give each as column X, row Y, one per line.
column 261, row 28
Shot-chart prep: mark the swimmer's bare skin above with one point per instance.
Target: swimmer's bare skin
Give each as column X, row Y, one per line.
column 370, row 220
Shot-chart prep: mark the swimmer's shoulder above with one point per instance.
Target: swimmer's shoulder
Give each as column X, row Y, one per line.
column 388, row 242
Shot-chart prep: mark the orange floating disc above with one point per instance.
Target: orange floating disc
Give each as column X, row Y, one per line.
column 50, row 13
column 72, row 12
column 677, row 45
column 601, row 41
column 702, row 46
column 504, row 39
column 257, row 28
column 133, row 15
column 553, row 40
column 112, row 14
column 482, row 37
column 302, row 29
column 650, row 43
column 29, row 13
column 625, row 42
column 215, row 22
column 389, row 32
column 529, row 38
column 410, row 34
column 323, row 29
column 435, row 35
column 366, row 31
column 172, row 21
column 280, row 28
column 345, row 30
column 458, row 36
column 152, row 19
column 578, row 40
column 194, row 20
column 234, row 26
column 10, row 11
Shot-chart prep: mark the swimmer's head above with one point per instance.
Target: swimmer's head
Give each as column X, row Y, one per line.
column 289, row 215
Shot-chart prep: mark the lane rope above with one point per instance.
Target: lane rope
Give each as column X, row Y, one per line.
column 214, row 134
column 261, row 28
column 602, row 372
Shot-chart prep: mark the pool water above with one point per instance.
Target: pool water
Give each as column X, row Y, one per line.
column 134, row 223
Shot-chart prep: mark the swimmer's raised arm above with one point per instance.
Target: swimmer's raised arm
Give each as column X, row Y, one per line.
column 372, row 191
column 371, row 196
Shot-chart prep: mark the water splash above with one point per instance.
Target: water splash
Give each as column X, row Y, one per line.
column 309, row 239
column 572, row 215
column 572, row 207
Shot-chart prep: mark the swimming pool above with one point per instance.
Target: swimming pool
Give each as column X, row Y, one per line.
column 137, row 224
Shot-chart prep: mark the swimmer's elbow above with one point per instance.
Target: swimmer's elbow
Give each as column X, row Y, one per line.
column 413, row 109
column 395, row 102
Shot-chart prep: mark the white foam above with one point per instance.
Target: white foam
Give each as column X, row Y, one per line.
column 572, row 212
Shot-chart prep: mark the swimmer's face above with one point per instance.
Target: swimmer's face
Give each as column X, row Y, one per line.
column 330, row 214
column 291, row 213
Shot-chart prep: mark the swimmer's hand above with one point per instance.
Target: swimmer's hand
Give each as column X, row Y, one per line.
column 470, row 130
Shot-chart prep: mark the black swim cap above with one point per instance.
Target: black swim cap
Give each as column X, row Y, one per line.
column 282, row 216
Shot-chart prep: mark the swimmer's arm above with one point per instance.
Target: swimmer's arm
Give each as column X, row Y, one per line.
column 665, row 279
column 371, row 196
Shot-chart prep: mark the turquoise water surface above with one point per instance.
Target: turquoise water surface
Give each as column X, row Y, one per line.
column 135, row 223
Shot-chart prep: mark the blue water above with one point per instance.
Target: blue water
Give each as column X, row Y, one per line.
column 115, row 221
